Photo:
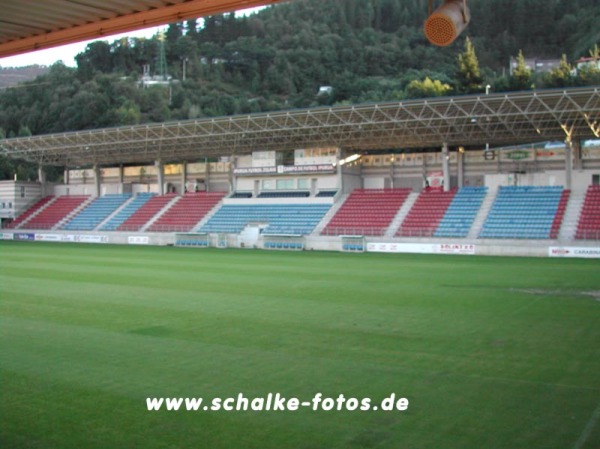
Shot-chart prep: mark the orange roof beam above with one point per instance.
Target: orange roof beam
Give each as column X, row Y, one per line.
column 130, row 22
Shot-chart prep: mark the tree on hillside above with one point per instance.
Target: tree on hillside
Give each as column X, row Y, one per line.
column 469, row 79
column 561, row 75
column 521, row 75
column 427, row 88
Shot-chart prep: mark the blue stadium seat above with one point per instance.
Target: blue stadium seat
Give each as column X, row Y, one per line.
column 122, row 216
column 459, row 216
column 296, row 219
column 96, row 212
column 522, row 212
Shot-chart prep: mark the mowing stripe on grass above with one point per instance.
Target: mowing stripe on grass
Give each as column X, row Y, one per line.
column 588, row 428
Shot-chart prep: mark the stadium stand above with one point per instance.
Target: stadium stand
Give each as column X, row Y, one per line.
column 146, row 212
column 292, row 219
column 187, row 212
column 57, row 211
column 138, row 201
column 424, row 217
column 95, row 212
column 29, row 212
column 459, row 216
column 367, row 212
column 522, row 212
column 588, row 227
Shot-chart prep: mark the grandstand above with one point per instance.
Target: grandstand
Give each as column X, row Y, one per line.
column 522, row 196
column 328, row 209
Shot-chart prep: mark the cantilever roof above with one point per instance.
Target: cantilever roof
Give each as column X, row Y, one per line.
column 27, row 25
column 497, row 119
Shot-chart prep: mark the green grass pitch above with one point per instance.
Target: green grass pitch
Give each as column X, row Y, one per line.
column 491, row 352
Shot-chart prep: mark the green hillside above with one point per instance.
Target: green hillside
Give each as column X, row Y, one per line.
column 366, row 50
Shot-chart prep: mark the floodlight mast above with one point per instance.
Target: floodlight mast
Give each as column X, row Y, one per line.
column 445, row 24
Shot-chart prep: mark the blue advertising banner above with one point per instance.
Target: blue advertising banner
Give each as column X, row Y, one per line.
column 23, row 236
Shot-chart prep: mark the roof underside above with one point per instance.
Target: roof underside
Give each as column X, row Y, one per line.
column 497, row 119
column 27, row 25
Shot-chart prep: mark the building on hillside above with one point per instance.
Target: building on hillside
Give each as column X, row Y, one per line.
column 536, row 65
column 587, row 62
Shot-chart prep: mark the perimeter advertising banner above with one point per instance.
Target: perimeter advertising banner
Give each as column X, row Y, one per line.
column 91, row 238
column 422, row 248
column 138, row 240
column 572, row 251
column 23, row 236
column 54, row 238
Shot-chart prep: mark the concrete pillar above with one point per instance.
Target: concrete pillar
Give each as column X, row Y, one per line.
column 183, row 176
column 446, row 166
column 66, row 179
column 41, row 174
column 338, row 170
column 460, row 156
column 160, row 173
column 207, row 180
column 230, row 175
column 577, row 160
column 41, row 179
column 568, row 163
column 121, row 174
column 97, row 180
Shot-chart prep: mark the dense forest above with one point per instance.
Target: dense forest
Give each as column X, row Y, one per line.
column 278, row 58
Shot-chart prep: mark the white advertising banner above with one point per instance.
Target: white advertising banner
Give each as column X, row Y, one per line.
column 91, row 238
column 5, row 236
column 573, row 251
column 419, row 248
column 48, row 237
column 54, row 238
column 422, row 248
column 138, row 240
column 456, row 248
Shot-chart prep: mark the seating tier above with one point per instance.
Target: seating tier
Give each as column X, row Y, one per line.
column 588, row 226
column 97, row 211
column 187, row 212
column 522, row 212
column 367, row 212
column 424, row 217
column 292, row 219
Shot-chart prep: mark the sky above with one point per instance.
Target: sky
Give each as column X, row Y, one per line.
column 67, row 53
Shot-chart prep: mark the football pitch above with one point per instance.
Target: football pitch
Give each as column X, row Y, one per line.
column 494, row 353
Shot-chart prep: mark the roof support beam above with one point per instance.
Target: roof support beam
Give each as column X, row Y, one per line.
column 145, row 19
